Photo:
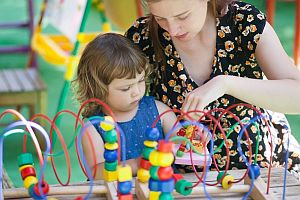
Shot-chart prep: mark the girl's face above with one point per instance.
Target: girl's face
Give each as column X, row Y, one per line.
column 125, row 94
column 182, row 19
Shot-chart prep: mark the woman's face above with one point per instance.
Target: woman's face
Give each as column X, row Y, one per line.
column 183, row 19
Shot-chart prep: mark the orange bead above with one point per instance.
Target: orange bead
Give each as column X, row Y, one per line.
column 166, row 147
column 165, row 173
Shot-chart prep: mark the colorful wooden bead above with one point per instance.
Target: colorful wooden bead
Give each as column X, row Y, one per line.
column 24, row 166
column 29, row 180
column 161, row 159
column 111, row 166
column 145, row 164
column 124, row 173
column 184, row 187
column 154, row 172
column 149, row 143
column 227, row 181
column 27, row 171
column 146, row 152
column 154, row 195
column 32, row 193
column 111, row 146
column 166, row 196
column 45, row 188
column 154, row 185
column 110, row 175
column 255, row 169
column 110, row 155
column 125, row 196
column 165, row 146
column 165, row 173
column 124, row 187
column 143, row 175
column 220, row 175
column 179, row 153
column 152, row 134
column 177, row 177
column 167, row 185
column 25, row 159
column 107, row 124
column 111, row 136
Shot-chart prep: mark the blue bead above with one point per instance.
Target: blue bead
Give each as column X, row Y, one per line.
column 124, row 187
column 255, row 169
column 152, row 134
column 167, row 186
column 110, row 155
column 154, row 185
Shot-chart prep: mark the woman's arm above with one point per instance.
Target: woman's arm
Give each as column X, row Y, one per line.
column 281, row 92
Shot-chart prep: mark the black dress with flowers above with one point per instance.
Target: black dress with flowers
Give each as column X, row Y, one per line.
column 238, row 33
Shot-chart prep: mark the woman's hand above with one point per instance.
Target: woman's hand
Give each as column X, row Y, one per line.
column 199, row 98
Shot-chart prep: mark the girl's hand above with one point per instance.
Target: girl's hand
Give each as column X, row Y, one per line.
column 199, row 98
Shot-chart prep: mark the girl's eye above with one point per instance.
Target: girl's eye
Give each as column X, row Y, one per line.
column 142, row 80
column 125, row 89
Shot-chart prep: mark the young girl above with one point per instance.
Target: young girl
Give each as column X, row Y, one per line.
column 113, row 70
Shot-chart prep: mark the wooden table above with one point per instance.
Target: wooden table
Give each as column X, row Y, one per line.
column 100, row 190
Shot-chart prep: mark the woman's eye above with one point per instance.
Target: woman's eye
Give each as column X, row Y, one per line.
column 183, row 17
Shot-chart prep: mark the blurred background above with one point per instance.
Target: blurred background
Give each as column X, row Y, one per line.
column 99, row 18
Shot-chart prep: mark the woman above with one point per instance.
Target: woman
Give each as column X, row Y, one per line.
column 214, row 54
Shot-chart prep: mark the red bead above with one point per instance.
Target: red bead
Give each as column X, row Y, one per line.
column 45, row 188
column 165, row 173
column 125, row 196
column 177, row 177
column 28, row 171
column 165, row 147
column 145, row 164
column 79, row 198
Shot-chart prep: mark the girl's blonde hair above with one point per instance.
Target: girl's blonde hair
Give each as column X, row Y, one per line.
column 109, row 56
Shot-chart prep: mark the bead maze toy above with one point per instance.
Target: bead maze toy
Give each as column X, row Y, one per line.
column 156, row 178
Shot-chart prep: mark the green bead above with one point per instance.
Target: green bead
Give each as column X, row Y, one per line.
column 154, row 172
column 111, row 166
column 146, row 152
column 220, row 175
column 179, row 153
column 166, row 196
column 181, row 187
column 111, row 136
column 25, row 159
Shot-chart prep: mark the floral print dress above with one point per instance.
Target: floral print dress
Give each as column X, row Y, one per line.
column 238, row 33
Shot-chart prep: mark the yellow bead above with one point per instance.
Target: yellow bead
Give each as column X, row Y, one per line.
column 110, row 175
column 25, row 166
column 161, row 159
column 227, row 181
column 154, row 195
column 107, row 124
column 124, row 173
column 143, row 175
column 29, row 180
column 149, row 143
column 111, row 146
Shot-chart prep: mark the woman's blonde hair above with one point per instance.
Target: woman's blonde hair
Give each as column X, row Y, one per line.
column 109, row 56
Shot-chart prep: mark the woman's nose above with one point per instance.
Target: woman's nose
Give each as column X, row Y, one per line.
column 173, row 28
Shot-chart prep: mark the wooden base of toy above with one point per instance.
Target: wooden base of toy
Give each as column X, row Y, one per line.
column 235, row 192
column 103, row 190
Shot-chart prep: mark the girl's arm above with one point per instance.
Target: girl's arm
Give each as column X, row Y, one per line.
column 281, row 92
column 168, row 119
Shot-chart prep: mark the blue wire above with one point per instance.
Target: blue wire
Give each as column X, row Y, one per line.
column 43, row 132
column 285, row 167
column 254, row 119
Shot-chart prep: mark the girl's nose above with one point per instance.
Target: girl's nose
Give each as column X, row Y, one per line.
column 173, row 28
